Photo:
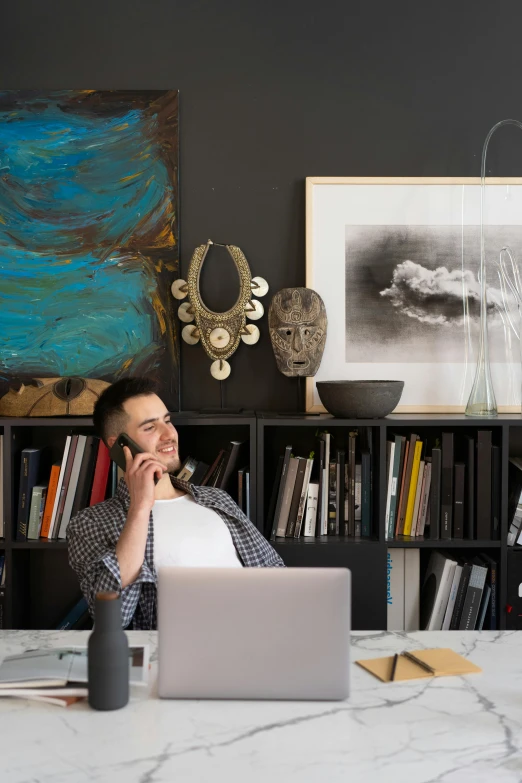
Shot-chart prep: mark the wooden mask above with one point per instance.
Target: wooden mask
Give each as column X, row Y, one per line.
column 297, row 323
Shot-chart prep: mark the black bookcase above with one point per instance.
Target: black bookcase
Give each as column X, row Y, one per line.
column 40, row 587
column 366, row 557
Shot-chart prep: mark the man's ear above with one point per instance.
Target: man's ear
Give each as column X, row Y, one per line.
column 111, row 441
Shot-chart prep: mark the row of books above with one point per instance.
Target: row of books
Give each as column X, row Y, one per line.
column 451, row 488
column 79, row 480
column 230, row 463
column 328, row 494
column 457, row 593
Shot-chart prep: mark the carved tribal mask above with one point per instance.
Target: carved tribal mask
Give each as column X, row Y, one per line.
column 297, row 323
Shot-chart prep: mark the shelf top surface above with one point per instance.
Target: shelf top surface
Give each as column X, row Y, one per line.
column 273, row 418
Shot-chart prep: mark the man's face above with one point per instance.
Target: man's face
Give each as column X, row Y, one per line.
column 150, row 426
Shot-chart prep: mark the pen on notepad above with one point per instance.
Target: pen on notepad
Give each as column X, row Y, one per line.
column 420, row 663
column 394, row 666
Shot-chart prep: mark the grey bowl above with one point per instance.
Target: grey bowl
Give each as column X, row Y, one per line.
column 360, row 399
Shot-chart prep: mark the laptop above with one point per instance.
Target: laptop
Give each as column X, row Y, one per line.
column 254, row 633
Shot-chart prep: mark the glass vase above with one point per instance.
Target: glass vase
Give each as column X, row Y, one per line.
column 482, row 402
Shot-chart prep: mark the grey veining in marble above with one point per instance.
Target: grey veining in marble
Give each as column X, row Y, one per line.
column 446, row 730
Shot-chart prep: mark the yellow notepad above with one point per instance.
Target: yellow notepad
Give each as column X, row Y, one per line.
column 445, row 662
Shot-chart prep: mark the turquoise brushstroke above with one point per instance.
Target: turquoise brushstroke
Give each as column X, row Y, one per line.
column 75, row 188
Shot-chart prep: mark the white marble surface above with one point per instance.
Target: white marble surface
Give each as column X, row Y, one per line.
column 455, row 729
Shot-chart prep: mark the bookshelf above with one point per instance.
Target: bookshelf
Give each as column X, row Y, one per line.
column 367, row 557
column 40, row 586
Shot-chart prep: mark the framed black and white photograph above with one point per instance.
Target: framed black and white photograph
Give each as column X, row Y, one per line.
column 396, row 261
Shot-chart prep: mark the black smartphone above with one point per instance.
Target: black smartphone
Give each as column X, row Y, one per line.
column 117, row 454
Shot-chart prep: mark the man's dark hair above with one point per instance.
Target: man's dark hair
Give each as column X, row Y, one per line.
column 109, row 417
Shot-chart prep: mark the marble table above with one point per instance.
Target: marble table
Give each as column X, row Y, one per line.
column 455, row 729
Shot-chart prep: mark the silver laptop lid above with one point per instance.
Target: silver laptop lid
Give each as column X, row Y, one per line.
column 254, row 633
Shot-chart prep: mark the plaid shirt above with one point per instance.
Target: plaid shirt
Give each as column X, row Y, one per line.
column 93, row 534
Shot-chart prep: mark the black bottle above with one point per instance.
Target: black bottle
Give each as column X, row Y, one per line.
column 108, row 656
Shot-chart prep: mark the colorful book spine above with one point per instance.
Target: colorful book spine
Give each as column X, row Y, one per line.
column 29, row 468
column 49, row 503
column 408, row 519
column 38, row 497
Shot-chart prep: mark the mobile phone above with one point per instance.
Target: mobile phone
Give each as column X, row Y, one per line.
column 117, row 454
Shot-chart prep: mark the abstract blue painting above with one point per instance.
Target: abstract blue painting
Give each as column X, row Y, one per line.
column 89, row 235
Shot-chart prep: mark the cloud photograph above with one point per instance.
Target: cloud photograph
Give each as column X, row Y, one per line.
column 413, row 293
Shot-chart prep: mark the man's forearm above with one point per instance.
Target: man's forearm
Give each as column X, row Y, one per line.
column 130, row 549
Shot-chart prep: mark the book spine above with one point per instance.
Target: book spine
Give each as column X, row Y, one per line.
column 310, row 519
column 410, row 504
column 425, row 503
column 435, row 493
column 484, row 484
column 34, row 513
column 326, row 471
column 493, row 603
column 303, row 498
column 49, row 503
column 446, row 487
column 287, row 497
column 73, row 616
column 389, row 477
column 21, row 531
column 495, row 493
column 471, row 606
column 395, row 484
column 452, row 598
column 366, row 468
column 101, row 474
column 352, row 525
column 55, row 527
column 28, row 477
column 73, row 484
column 441, row 600
column 411, row 589
column 339, row 519
column 85, row 477
column 486, row 595
column 461, row 593
column 406, row 486
column 318, row 527
column 332, row 497
column 460, row 489
column 395, row 589
column 282, row 484
column 247, row 491
column 212, row 469
column 470, row 490
column 296, row 497
column 418, row 499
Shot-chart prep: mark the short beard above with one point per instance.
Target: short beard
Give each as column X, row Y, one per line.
column 174, row 465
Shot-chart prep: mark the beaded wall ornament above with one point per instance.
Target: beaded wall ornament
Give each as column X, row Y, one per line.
column 219, row 333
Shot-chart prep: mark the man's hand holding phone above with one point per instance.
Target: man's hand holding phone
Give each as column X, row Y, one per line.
column 141, row 474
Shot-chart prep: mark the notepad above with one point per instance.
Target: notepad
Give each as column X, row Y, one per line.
column 445, row 662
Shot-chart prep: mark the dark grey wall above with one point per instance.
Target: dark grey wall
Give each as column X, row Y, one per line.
column 274, row 91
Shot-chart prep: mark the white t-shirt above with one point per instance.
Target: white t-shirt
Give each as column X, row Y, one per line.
column 187, row 534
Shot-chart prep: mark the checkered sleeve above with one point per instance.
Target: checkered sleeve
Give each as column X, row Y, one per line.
column 92, row 555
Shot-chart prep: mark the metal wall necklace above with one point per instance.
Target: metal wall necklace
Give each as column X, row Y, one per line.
column 219, row 333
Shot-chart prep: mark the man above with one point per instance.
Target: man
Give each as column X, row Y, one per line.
column 119, row 545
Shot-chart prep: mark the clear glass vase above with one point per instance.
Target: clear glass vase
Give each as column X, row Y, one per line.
column 482, row 402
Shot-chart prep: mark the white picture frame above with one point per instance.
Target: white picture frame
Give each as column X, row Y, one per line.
column 348, row 221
